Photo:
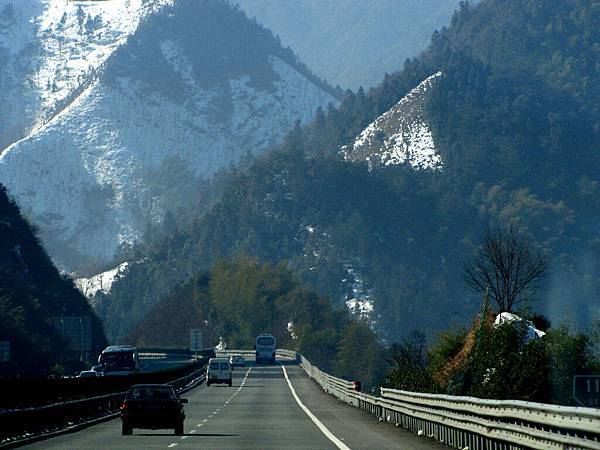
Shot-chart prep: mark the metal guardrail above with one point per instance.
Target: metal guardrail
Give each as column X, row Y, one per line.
column 460, row 422
column 468, row 422
column 226, row 353
column 24, row 425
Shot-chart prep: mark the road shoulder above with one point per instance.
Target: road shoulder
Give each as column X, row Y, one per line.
column 353, row 426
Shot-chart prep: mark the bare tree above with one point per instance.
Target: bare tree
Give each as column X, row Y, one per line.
column 508, row 267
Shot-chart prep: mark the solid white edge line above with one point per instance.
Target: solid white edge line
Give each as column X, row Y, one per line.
column 328, row 434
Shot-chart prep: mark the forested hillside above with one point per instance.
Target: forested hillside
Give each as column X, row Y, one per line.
column 31, row 293
column 237, row 300
column 515, row 119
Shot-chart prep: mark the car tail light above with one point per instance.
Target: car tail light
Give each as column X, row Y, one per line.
column 124, row 406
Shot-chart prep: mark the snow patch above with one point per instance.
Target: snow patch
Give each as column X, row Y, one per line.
column 358, row 300
column 101, row 282
column 401, row 135
column 531, row 332
column 221, row 346
column 290, row 328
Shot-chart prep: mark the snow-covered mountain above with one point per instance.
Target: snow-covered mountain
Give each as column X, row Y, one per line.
column 124, row 103
column 49, row 49
column 401, row 135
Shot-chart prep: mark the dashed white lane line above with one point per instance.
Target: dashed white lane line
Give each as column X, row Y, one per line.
column 328, row 434
column 175, row 444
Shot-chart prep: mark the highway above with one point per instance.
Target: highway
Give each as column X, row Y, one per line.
column 260, row 411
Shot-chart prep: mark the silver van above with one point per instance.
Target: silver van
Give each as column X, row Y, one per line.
column 218, row 371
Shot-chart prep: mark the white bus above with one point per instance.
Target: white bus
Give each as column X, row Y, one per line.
column 265, row 348
column 119, row 360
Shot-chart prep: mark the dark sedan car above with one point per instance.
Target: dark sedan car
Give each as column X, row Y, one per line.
column 152, row 406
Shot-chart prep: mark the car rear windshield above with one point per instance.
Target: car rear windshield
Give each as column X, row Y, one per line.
column 266, row 341
column 224, row 366
column 151, row 393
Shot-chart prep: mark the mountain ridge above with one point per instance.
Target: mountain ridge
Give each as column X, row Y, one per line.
column 353, row 42
column 517, row 151
column 97, row 174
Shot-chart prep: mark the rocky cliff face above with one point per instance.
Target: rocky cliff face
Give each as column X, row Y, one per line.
column 150, row 98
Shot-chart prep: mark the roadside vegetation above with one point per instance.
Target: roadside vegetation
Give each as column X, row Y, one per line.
column 523, row 357
column 32, row 292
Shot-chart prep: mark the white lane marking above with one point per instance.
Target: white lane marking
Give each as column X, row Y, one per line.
column 200, row 424
column 174, row 444
column 204, row 420
column 183, row 437
column 193, row 431
column 328, row 434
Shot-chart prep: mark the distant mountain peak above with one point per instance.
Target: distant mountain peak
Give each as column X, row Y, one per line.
column 401, row 135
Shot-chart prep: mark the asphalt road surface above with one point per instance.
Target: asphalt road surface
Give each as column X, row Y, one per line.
column 260, row 411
